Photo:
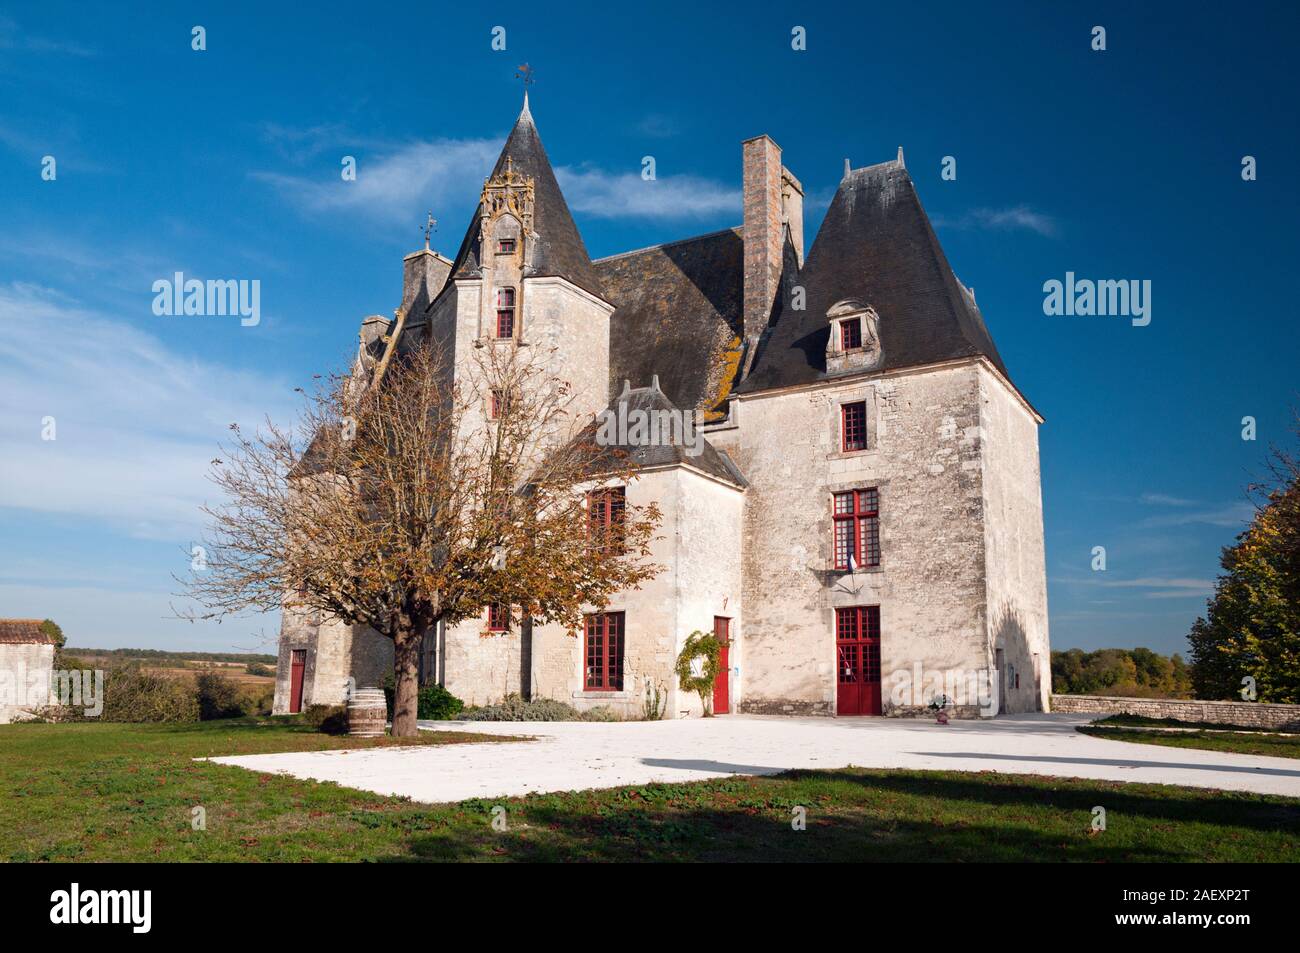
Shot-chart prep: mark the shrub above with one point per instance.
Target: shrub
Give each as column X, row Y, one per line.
column 515, row 708
column 433, row 702
column 328, row 719
column 260, row 670
column 132, row 694
column 218, row 696
column 438, row 704
column 257, row 700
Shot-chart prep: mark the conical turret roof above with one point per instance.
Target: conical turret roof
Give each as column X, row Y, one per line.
column 559, row 250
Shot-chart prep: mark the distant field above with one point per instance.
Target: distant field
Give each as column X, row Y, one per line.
column 161, row 657
column 182, row 664
column 236, row 673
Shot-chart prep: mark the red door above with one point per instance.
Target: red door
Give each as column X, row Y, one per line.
column 857, row 649
column 722, row 684
column 297, row 665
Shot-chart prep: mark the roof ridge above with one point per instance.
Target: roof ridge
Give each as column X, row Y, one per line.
column 677, row 241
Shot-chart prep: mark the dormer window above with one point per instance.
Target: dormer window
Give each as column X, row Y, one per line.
column 851, row 334
column 853, row 343
column 505, row 312
column 506, row 246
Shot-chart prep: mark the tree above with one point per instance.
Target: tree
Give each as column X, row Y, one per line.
column 411, row 495
column 1251, row 628
column 51, row 628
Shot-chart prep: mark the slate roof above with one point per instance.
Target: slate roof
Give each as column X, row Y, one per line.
column 559, row 251
column 678, row 315
column 710, row 460
column 875, row 244
column 23, row 632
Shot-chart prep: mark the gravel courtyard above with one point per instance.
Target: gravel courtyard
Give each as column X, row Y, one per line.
column 579, row 755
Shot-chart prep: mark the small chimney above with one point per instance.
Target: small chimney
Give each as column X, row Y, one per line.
column 424, row 272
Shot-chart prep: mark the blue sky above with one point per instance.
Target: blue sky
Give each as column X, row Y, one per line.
column 225, row 164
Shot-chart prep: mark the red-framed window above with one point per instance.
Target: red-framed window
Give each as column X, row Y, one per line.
column 851, row 334
column 505, row 312
column 506, row 246
column 605, row 509
column 499, row 404
column 857, row 623
column 856, row 515
column 603, row 652
column 498, row 617
column 722, row 628
column 853, row 430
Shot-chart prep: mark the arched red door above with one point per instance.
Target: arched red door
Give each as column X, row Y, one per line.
column 857, row 662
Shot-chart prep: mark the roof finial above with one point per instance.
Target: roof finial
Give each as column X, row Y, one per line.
column 900, row 157
column 847, row 170
column 430, row 226
column 525, row 72
column 654, row 381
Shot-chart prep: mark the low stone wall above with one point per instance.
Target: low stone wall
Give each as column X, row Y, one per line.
column 1242, row 714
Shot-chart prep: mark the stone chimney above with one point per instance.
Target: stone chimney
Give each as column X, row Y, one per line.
column 424, row 272
column 773, row 200
column 792, row 210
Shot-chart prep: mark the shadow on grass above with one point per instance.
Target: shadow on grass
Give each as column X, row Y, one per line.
column 892, row 817
column 1114, row 762
column 1120, row 799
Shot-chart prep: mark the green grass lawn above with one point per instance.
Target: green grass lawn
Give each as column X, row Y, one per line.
column 99, row 792
column 1276, row 746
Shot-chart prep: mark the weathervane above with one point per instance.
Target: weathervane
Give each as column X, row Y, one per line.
column 525, row 72
column 430, row 226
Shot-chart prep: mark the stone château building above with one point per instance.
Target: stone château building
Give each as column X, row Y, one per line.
column 865, row 512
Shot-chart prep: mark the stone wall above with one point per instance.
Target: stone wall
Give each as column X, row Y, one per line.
column 697, row 546
column 923, row 456
column 25, row 668
column 1015, row 573
column 1244, row 714
column 337, row 655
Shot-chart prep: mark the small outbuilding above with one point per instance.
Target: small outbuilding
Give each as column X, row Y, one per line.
column 26, row 667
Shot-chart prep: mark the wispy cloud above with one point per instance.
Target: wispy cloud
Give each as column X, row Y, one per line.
column 301, row 143
column 136, row 422
column 449, row 173
column 14, row 38
column 602, row 194
column 389, row 185
column 658, row 126
column 1233, row 515
column 1163, row 499
column 1151, row 587
column 1015, row 218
